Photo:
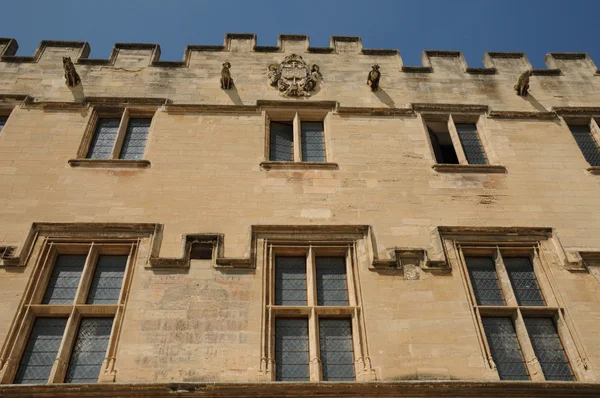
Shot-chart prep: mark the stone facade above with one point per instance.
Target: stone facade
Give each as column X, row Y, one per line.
column 206, row 177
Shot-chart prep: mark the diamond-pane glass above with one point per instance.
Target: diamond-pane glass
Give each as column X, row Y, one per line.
column 291, row 350
column 40, row 353
column 484, row 280
column 3, row 120
column 335, row 343
column 522, row 279
column 469, row 139
column 548, row 349
column 64, row 280
column 290, row 280
column 313, row 146
column 106, row 283
column 506, row 352
column 104, row 139
column 587, row 144
column 331, row 281
column 282, row 141
column 89, row 350
column 134, row 143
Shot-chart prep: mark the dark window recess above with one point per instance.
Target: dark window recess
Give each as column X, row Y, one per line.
column 89, row 350
column 331, row 281
column 291, row 350
column 201, row 251
column 282, row 142
column 335, row 343
column 41, row 351
column 104, row 139
column 469, row 139
column 548, row 349
column 506, row 351
column 3, row 120
column 290, row 280
column 64, row 279
column 136, row 136
column 522, row 279
column 443, row 148
column 313, row 145
column 587, row 144
column 107, row 280
column 482, row 272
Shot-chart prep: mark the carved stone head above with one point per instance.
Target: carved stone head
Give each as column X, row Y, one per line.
column 227, row 65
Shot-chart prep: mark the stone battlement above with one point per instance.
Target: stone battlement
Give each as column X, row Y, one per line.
column 146, row 54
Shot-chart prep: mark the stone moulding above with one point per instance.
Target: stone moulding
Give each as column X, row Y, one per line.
column 299, row 165
column 409, row 388
column 110, row 163
column 469, row 168
column 247, row 42
column 589, row 111
column 449, row 108
column 522, row 115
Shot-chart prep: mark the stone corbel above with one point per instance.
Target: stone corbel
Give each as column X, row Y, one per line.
column 405, row 259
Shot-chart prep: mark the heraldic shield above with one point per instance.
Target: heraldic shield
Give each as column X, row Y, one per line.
column 293, row 77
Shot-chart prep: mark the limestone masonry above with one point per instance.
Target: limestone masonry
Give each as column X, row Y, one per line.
column 297, row 221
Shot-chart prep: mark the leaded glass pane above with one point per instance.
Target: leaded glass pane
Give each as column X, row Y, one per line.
column 587, row 144
column 482, row 272
column 335, row 343
column 104, row 138
column 506, row 351
column 89, row 350
column 522, row 279
column 313, row 145
column 331, row 281
column 64, row 280
column 469, row 139
column 106, row 283
column 291, row 350
column 548, row 349
column 282, row 141
column 41, row 351
column 290, row 280
column 134, row 143
column 3, row 120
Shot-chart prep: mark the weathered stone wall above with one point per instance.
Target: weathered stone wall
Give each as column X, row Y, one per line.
column 203, row 324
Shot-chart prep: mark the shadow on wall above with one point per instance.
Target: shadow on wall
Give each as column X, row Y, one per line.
column 384, row 97
column 234, row 96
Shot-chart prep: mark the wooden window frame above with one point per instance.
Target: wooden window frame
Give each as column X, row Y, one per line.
column 297, row 117
column 31, row 306
column 553, row 308
column 124, row 114
column 312, row 246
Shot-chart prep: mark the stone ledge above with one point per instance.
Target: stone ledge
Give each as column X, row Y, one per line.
column 595, row 170
column 110, row 163
column 299, row 165
column 522, row 115
column 469, row 168
column 446, row 388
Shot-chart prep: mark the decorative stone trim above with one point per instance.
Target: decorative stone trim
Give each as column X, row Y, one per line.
column 110, row 163
column 379, row 51
column 577, row 111
column 546, row 72
column 299, row 165
column 522, row 115
column 595, row 170
column 297, row 104
column 194, row 108
column 469, row 168
column 409, row 388
column 449, row 108
column 417, row 69
column 482, row 71
column 346, row 110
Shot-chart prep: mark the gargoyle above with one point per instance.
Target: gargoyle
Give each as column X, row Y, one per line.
column 226, row 80
column 373, row 78
column 522, row 85
column 71, row 77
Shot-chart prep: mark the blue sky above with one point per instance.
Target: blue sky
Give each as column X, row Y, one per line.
column 473, row 27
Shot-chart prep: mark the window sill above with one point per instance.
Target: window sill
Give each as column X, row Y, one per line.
column 299, row 165
column 110, row 163
column 469, row 168
column 595, row 170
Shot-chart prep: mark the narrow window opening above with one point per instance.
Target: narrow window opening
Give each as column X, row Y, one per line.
column 442, row 143
column 136, row 136
column 104, row 138
column 313, row 145
column 282, row 142
column 471, row 144
column 505, row 348
column 201, row 251
column 587, row 144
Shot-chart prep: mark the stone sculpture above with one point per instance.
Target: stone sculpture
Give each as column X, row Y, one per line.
column 293, row 77
column 373, row 78
column 71, row 77
column 226, row 80
column 522, row 85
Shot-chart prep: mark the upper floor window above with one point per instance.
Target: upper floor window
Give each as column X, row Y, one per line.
column 72, row 312
column 586, row 136
column 297, row 140
column 3, row 120
column 506, row 288
column 455, row 143
column 119, row 138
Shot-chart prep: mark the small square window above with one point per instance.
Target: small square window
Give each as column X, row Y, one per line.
column 296, row 140
column 119, row 138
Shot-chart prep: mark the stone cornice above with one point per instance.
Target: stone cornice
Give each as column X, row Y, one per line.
column 452, row 388
column 522, row 115
column 449, row 108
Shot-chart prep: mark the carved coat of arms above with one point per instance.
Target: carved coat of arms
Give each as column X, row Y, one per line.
column 293, row 77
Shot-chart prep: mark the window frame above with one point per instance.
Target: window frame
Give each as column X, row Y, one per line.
column 311, row 246
column 32, row 307
column 5, row 112
column 593, row 125
column 552, row 309
column 124, row 114
column 297, row 117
